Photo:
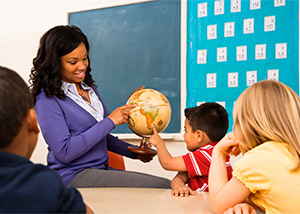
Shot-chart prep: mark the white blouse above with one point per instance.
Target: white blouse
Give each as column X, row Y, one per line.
column 95, row 108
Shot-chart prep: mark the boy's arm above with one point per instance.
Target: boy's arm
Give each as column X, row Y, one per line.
column 179, row 187
column 165, row 158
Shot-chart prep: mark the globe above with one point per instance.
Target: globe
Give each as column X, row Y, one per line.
column 152, row 108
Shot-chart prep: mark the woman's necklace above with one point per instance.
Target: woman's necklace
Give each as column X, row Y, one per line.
column 81, row 94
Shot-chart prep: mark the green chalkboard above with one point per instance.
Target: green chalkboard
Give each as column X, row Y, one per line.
column 135, row 45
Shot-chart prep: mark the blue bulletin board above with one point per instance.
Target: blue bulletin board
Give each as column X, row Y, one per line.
column 232, row 44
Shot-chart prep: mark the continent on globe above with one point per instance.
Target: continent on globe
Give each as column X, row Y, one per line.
column 150, row 112
column 152, row 108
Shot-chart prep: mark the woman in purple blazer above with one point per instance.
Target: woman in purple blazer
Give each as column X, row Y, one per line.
column 74, row 121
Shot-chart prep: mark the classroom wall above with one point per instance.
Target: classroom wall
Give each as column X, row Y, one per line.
column 22, row 23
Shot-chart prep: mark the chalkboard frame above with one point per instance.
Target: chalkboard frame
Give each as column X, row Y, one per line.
column 115, row 3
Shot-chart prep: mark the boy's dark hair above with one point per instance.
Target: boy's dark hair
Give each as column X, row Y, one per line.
column 15, row 102
column 212, row 118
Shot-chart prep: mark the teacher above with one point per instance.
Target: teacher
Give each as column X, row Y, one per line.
column 74, row 121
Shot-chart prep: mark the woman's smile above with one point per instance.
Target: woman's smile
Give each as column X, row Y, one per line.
column 80, row 75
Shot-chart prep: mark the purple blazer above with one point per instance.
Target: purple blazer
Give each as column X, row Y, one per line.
column 76, row 141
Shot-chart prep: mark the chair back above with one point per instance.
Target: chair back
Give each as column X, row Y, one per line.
column 116, row 161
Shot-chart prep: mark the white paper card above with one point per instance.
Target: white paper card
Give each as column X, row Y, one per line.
column 219, row 7
column 201, row 56
column 211, row 80
column 278, row 3
column 233, row 79
column 241, row 53
column 202, row 9
column 222, row 54
column 260, row 51
column 235, row 6
column 254, row 4
column 273, row 74
column 251, row 77
column 270, row 23
column 211, row 32
column 229, row 29
column 222, row 103
column 199, row 103
column 281, row 51
column 248, row 26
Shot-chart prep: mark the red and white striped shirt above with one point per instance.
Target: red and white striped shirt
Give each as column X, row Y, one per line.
column 197, row 164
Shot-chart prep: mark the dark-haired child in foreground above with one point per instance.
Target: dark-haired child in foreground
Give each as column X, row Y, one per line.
column 205, row 125
column 26, row 187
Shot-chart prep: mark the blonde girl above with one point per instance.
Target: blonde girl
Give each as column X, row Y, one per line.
column 266, row 130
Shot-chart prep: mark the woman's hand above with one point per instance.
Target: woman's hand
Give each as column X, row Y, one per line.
column 145, row 157
column 120, row 115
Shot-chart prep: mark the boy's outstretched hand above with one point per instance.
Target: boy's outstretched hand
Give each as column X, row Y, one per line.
column 155, row 139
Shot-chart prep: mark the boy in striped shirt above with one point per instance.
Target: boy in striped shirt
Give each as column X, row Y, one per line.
column 205, row 126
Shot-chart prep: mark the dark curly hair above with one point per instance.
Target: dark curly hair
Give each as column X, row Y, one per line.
column 54, row 44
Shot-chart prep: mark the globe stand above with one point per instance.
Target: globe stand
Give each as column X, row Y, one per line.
column 142, row 149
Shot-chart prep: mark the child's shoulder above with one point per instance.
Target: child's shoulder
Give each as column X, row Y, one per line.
column 205, row 148
column 269, row 147
column 41, row 174
column 22, row 173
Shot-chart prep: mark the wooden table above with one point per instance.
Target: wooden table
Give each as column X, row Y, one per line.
column 141, row 200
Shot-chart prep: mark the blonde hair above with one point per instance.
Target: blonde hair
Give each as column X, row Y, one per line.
column 268, row 111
